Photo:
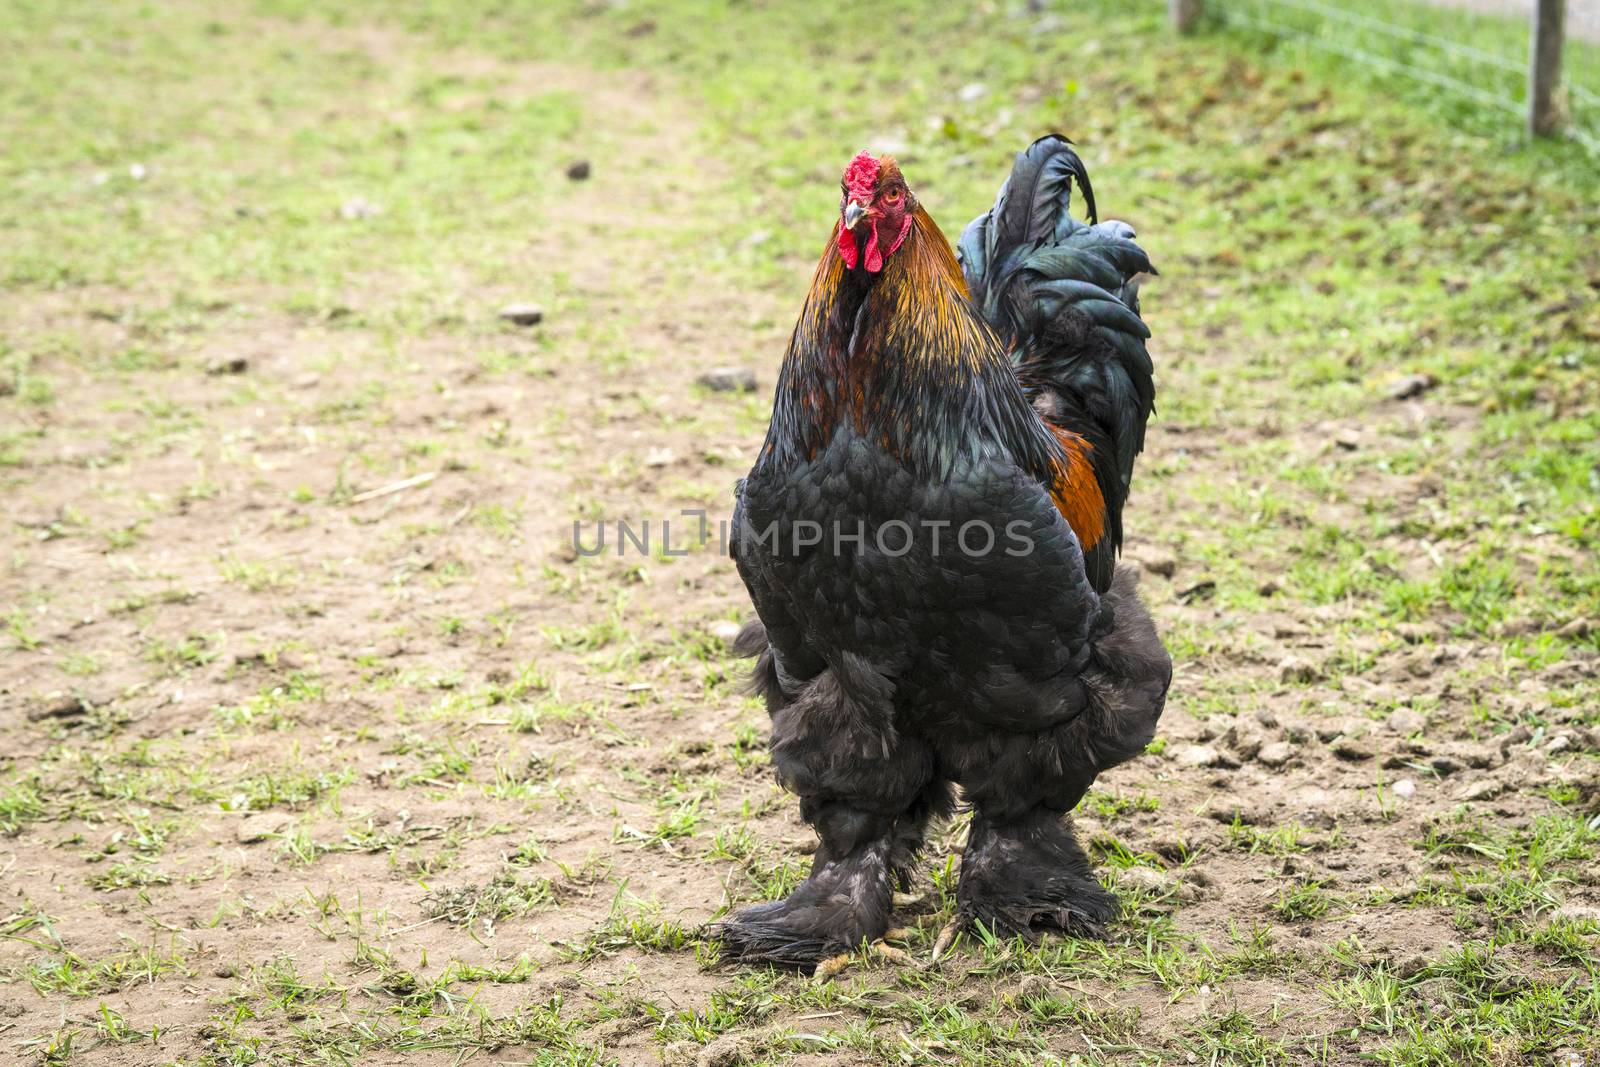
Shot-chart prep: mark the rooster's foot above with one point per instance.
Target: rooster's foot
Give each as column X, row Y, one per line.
column 1028, row 876
column 832, row 967
column 947, row 938
column 840, row 906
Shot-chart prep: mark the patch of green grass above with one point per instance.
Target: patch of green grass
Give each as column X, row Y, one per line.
column 634, row 923
column 179, row 654
column 276, row 707
column 1484, row 54
column 504, row 896
column 1285, row 840
column 20, row 802
column 68, row 974
column 392, row 188
column 1511, row 874
column 1057, row 1007
column 132, row 874
column 1234, row 1037
column 1307, row 900
column 1470, row 1006
column 291, row 786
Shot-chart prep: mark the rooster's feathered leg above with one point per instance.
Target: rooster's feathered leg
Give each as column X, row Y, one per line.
column 1028, row 874
column 1023, row 870
column 835, row 745
column 935, row 802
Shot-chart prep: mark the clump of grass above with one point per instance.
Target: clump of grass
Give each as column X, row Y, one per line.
column 20, row 802
column 1302, row 902
column 68, row 974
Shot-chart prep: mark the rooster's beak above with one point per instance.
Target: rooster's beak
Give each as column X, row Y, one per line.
column 852, row 214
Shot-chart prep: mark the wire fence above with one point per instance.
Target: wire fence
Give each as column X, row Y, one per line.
column 1480, row 63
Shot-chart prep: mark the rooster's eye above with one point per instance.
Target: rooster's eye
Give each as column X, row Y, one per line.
column 892, row 196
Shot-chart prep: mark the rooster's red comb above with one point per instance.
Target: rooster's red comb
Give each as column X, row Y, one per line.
column 861, row 177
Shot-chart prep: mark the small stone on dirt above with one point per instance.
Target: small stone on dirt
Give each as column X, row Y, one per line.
column 228, row 365
column 67, row 706
column 1292, row 670
column 1330, row 730
column 1521, row 626
column 1247, row 813
column 973, row 91
column 660, row 457
column 1276, row 754
column 1405, row 787
column 358, row 207
column 729, row 380
column 253, row 828
column 1246, row 743
column 1518, row 734
column 1576, row 628
column 1348, row 748
column 1267, row 719
column 805, row 845
column 1146, row 880
column 1414, row 633
column 522, row 314
column 1171, row 846
column 1314, row 806
column 1484, row 789
column 1298, row 732
column 729, row 1050
column 1406, row 721
column 1034, row 987
column 1270, row 587
column 1348, row 440
column 1412, row 965
column 579, row 170
column 725, row 630
column 1157, row 561
column 1199, row 756
column 1411, row 385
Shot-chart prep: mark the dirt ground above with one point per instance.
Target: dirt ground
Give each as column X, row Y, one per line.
column 319, row 743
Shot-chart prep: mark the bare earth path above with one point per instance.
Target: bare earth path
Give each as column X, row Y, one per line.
column 303, row 766
column 347, row 663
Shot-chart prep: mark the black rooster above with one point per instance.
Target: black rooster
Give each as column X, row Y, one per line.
column 929, row 537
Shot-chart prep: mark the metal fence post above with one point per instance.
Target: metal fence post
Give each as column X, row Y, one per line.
column 1185, row 14
column 1544, row 66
